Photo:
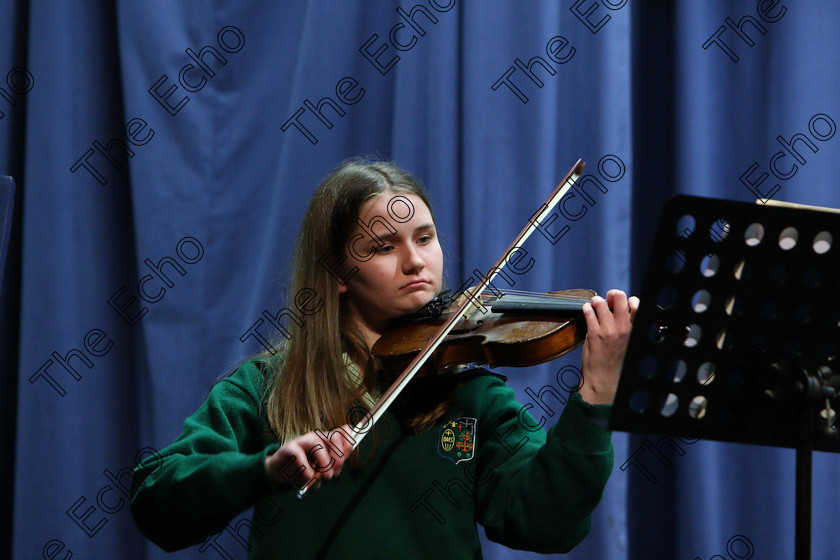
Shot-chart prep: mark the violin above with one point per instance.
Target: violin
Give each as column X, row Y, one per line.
column 510, row 329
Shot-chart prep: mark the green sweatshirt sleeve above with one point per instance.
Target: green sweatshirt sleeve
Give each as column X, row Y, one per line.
column 212, row 472
column 537, row 491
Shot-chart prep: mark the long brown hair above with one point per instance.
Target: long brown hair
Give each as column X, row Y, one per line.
column 307, row 387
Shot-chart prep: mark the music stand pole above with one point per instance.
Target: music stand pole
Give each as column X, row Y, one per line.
column 804, row 471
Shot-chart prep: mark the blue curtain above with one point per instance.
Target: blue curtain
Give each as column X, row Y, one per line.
column 171, row 148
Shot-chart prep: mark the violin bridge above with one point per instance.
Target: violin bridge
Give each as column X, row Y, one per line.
column 474, row 314
column 474, row 303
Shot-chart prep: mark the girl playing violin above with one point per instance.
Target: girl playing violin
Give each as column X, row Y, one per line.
column 453, row 450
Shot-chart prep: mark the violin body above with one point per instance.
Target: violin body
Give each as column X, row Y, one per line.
column 523, row 332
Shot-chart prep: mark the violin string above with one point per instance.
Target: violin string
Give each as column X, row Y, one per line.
column 549, row 294
column 541, row 296
column 546, row 295
column 538, row 300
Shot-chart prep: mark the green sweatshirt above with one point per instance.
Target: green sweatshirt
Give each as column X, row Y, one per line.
column 418, row 496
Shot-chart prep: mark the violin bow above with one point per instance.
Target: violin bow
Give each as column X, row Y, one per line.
column 388, row 398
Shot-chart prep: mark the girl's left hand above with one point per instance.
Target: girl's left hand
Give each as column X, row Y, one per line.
column 606, row 343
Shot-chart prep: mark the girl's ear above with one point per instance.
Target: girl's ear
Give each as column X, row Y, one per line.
column 342, row 288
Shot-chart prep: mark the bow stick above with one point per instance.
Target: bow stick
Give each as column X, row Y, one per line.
column 401, row 382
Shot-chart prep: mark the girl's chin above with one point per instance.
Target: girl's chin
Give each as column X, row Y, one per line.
column 422, row 297
column 414, row 303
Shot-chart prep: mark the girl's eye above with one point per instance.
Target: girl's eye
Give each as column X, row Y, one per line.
column 384, row 249
column 425, row 239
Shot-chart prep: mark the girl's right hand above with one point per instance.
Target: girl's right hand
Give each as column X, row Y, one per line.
column 299, row 460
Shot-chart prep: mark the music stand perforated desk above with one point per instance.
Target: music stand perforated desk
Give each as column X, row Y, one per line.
column 737, row 333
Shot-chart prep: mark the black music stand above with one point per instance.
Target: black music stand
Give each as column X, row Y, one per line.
column 737, row 333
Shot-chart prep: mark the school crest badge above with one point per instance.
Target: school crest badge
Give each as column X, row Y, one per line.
column 457, row 440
